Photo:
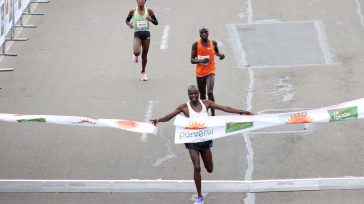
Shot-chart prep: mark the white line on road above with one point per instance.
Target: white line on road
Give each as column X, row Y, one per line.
column 250, row 199
column 358, row 10
column 164, row 43
column 323, row 41
column 169, row 155
column 147, row 117
column 239, row 52
column 134, row 185
column 298, row 66
column 6, row 69
column 248, row 12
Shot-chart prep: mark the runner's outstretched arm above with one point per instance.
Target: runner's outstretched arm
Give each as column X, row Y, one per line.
column 168, row 117
column 227, row 109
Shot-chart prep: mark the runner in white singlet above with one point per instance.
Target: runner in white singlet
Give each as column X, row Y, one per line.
column 198, row 108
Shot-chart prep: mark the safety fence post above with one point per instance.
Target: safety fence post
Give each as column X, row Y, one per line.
column 28, row 12
column 38, row 1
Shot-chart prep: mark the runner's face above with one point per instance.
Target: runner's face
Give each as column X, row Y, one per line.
column 140, row 2
column 193, row 95
column 204, row 34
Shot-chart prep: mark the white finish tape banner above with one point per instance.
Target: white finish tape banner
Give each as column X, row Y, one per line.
column 128, row 125
column 191, row 130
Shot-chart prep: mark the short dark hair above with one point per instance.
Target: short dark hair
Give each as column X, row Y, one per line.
column 192, row 87
column 203, row 28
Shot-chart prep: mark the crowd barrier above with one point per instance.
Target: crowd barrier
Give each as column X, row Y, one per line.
column 11, row 16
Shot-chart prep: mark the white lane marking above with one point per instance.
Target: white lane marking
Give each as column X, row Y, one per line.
column 250, row 198
column 147, row 117
column 285, row 89
column 360, row 14
column 268, row 21
column 248, row 13
column 323, row 41
column 163, row 159
column 169, row 155
column 239, row 52
column 275, row 22
column 298, row 66
column 164, row 43
column 134, row 185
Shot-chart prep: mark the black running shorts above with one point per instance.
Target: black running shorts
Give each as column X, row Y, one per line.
column 143, row 35
column 199, row 146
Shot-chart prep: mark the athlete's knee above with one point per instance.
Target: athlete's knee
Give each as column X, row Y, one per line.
column 145, row 56
column 197, row 168
column 136, row 53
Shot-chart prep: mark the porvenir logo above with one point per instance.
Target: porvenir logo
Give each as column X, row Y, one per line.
column 349, row 113
column 232, row 127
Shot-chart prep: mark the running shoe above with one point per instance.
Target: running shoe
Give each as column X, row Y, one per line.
column 135, row 59
column 199, row 200
column 143, row 77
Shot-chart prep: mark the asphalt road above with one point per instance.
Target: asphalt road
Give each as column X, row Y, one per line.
column 79, row 62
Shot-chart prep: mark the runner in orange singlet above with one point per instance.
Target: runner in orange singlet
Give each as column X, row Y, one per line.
column 203, row 54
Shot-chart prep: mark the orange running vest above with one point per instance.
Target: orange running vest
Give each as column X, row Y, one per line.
column 205, row 52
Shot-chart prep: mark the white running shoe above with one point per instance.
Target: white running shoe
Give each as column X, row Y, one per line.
column 199, row 200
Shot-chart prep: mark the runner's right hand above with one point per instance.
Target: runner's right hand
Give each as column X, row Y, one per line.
column 131, row 25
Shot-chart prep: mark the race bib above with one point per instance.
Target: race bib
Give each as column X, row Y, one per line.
column 142, row 25
column 203, row 57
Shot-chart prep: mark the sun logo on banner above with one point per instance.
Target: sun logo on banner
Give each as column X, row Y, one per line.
column 299, row 118
column 127, row 124
column 196, row 126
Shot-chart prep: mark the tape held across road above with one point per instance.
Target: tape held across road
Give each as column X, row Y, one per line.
column 128, row 125
column 191, row 130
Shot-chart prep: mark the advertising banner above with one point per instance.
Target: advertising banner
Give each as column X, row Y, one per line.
column 191, row 130
column 128, row 125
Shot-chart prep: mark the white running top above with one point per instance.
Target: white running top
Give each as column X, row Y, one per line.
column 194, row 114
